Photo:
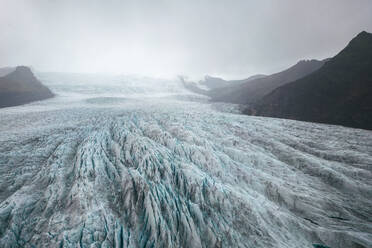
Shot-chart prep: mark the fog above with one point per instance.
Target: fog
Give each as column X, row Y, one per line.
column 233, row 39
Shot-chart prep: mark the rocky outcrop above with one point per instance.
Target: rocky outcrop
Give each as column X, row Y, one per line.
column 21, row 86
column 338, row 93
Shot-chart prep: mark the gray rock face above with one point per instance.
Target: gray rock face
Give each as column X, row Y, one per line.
column 158, row 172
column 338, row 93
column 20, row 86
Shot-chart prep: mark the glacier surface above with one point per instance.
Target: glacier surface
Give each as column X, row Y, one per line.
column 139, row 162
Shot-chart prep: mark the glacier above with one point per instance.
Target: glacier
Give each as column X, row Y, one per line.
column 116, row 161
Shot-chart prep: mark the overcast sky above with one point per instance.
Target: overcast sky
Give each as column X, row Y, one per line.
column 230, row 38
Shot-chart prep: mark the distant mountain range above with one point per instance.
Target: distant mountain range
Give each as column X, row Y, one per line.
column 335, row 91
column 19, row 86
column 252, row 90
column 216, row 82
column 211, row 85
column 340, row 92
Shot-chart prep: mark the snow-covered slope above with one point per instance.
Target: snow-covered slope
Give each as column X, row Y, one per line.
column 89, row 170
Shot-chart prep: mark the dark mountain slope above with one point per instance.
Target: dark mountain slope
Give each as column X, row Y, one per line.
column 20, row 87
column 338, row 93
column 254, row 90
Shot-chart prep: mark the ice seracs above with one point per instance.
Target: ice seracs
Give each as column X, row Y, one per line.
column 161, row 172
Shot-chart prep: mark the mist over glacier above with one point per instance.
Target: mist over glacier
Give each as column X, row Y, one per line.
column 116, row 161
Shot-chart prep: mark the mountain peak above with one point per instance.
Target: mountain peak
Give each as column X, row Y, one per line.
column 23, row 69
column 20, row 87
column 22, row 74
column 338, row 93
column 307, row 61
column 357, row 51
column 362, row 36
column 209, row 77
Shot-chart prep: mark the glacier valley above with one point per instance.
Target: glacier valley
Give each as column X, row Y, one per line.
column 118, row 161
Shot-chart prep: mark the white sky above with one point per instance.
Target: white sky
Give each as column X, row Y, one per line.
column 230, row 38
